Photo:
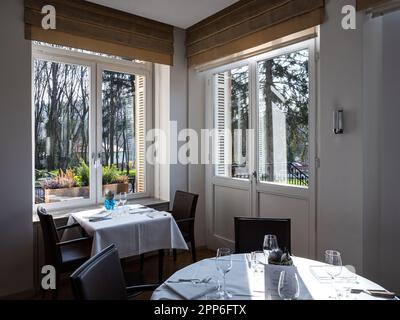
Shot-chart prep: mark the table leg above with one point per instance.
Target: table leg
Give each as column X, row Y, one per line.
column 160, row 265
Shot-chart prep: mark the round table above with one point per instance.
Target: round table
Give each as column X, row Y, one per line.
column 247, row 284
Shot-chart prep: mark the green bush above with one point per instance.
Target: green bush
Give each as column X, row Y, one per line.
column 82, row 174
column 110, row 174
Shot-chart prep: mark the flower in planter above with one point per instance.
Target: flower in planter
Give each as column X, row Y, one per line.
column 62, row 181
column 277, row 257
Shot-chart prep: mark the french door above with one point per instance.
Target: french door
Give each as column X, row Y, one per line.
column 263, row 115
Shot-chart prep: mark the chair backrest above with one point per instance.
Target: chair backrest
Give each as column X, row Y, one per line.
column 100, row 278
column 184, row 207
column 50, row 237
column 250, row 232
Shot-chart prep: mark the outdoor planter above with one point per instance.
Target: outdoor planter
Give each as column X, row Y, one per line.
column 54, row 195
column 57, row 195
column 116, row 188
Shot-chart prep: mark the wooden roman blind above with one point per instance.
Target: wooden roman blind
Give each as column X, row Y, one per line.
column 368, row 4
column 248, row 24
column 84, row 25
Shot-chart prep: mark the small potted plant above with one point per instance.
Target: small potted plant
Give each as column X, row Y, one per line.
column 278, row 261
column 109, row 202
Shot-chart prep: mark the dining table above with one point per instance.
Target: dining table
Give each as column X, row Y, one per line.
column 133, row 229
column 246, row 281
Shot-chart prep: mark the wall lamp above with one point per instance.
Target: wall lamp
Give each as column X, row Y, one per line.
column 338, row 121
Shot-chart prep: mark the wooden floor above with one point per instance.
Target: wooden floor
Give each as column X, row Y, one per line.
column 150, row 270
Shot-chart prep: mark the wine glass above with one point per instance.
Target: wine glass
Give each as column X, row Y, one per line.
column 288, row 287
column 123, row 198
column 223, row 263
column 334, row 260
column 270, row 243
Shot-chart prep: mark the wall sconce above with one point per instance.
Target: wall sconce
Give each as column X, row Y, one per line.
column 338, row 121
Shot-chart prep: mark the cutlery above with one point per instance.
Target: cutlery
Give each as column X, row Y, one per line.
column 375, row 293
column 99, row 219
column 193, row 281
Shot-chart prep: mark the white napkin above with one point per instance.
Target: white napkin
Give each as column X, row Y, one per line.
column 321, row 274
column 156, row 214
column 140, row 210
column 190, row 291
column 99, row 215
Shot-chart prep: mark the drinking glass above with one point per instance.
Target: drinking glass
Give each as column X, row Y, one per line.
column 334, row 260
column 123, row 198
column 223, row 263
column 270, row 243
column 288, row 287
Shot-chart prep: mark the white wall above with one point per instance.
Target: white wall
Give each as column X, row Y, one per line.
column 16, row 236
column 372, row 98
column 178, row 109
column 197, row 172
column 340, row 177
column 389, row 154
column 187, row 109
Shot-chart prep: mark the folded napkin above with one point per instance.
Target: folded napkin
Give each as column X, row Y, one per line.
column 191, row 291
column 156, row 214
column 140, row 210
column 321, row 274
column 99, row 215
column 99, row 219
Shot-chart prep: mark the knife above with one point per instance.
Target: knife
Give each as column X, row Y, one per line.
column 376, row 293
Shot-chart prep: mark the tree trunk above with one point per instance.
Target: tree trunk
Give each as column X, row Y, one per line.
column 269, row 147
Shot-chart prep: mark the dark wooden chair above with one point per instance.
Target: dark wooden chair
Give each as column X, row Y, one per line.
column 64, row 256
column 184, row 213
column 102, row 278
column 250, row 232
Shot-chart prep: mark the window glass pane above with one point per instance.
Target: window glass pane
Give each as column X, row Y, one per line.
column 123, row 123
column 283, row 100
column 61, row 131
column 232, row 122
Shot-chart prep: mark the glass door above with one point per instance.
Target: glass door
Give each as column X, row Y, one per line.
column 263, row 116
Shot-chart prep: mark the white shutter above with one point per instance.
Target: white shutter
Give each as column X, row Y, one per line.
column 223, row 124
column 140, row 130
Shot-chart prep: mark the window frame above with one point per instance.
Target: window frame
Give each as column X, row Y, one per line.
column 96, row 64
column 253, row 156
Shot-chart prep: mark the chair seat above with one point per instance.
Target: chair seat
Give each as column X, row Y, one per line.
column 75, row 254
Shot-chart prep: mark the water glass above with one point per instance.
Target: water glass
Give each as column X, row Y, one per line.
column 288, row 287
column 334, row 261
column 223, row 263
column 123, row 198
column 270, row 243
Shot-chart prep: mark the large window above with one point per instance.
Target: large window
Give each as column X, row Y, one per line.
column 277, row 98
column 89, row 127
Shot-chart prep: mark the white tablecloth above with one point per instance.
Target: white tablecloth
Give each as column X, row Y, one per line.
column 245, row 284
column 132, row 234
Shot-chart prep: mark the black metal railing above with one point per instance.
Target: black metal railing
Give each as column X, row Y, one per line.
column 285, row 173
column 296, row 176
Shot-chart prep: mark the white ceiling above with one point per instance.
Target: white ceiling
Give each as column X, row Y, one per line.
column 179, row 13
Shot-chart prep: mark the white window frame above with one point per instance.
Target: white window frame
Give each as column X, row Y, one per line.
column 253, row 117
column 96, row 64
